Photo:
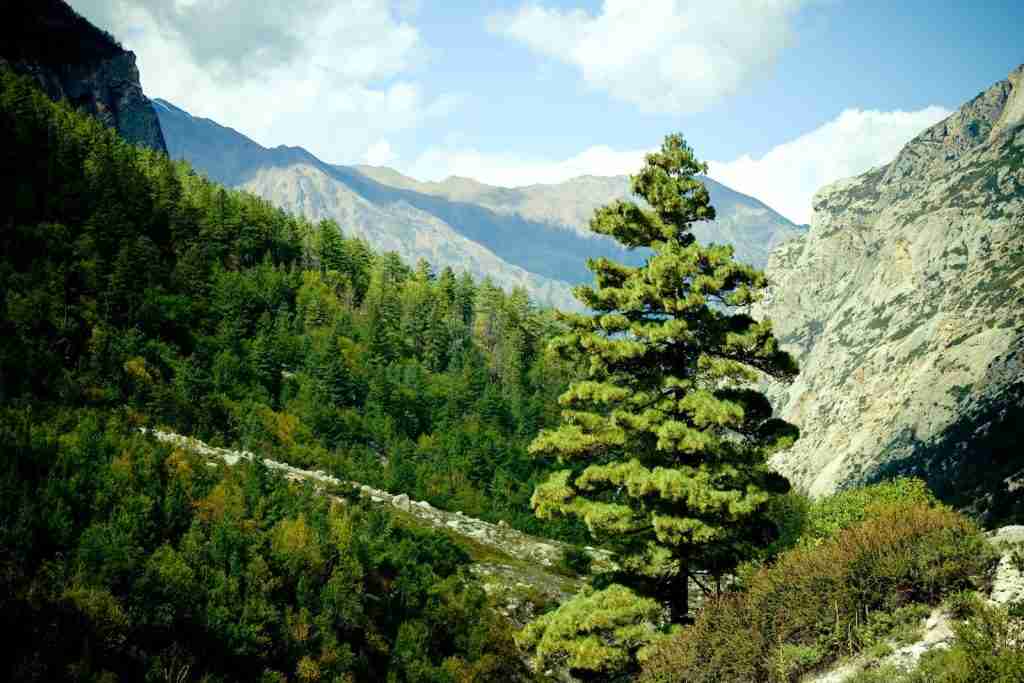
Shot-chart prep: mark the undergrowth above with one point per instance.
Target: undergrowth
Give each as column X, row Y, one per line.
column 832, row 594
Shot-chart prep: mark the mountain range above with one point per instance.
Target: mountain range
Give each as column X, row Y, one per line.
column 902, row 302
column 536, row 236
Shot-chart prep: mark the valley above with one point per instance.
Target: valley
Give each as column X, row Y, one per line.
column 269, row 415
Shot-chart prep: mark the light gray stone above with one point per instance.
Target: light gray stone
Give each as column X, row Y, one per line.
column 904, row 305
column 1008, row 583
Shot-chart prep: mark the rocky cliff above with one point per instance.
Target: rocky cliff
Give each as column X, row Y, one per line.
column 905, row 307
column 73, row 60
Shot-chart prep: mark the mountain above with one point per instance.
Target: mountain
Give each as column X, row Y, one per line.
column 904, row 304
column 295, row 180
column 71, row 59
column 749, row 225
column 534, row 236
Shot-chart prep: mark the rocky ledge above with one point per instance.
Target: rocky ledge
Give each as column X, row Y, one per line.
column 72, row 60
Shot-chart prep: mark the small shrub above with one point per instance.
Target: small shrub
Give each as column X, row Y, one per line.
column 825, row 518
column 724, row 644
column 789, row 661
column 1016, row 551
column 900, row 627
column 883, row 674
column 835, row 597
column 597, row 634
column 962, row 604
column 989, row 648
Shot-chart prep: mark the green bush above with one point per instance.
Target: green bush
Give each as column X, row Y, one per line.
column 790, row 660
column 800, row 521
column 828, row 516
column 831, row 598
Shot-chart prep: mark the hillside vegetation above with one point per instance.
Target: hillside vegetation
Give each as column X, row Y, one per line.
column 142, row 305
column 864, row 567
column 134, row 292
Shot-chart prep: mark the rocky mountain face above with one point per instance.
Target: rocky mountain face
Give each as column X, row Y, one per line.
column 536, row 236
column 904, row 304
column 73, row 60
column 398, row 226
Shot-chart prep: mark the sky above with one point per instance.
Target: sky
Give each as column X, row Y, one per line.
column 781, row 97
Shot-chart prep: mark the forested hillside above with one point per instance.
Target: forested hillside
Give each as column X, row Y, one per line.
column 135, row 293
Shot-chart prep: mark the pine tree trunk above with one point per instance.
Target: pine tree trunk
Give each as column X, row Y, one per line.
column 681, row 606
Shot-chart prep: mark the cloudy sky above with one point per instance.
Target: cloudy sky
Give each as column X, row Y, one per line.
column 781, row 96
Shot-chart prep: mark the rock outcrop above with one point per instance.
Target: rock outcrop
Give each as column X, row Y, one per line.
column 73, row 60
column 1008, row 582
column 904, row 304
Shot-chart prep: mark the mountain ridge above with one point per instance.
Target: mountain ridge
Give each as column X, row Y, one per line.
column 551, row 245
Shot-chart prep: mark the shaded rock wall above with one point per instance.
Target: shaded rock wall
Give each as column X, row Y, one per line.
column 73, row 60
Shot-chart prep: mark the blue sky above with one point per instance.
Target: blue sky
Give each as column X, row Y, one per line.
column 781, row 96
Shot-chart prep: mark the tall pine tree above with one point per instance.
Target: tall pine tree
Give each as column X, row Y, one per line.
column 664, row 441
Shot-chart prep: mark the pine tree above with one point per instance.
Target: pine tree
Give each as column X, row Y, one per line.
column 664, row 442
column 331, row 246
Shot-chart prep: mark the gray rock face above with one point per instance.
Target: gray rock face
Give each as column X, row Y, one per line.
column 905, row 306
column 71, row 59
column 109, row 90
column 1008, row 583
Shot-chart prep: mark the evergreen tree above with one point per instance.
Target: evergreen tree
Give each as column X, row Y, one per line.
column 331, row 246
column 664, row 443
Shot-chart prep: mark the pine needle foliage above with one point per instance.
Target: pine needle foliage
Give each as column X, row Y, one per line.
column 663, row 442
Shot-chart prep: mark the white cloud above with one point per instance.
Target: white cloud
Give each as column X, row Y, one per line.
column 379, row 154
column 668, row 55
column 331, row 76
column 788, row 175
column 785, row 178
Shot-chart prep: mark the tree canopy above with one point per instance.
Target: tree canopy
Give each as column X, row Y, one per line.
column 663, row 443
column 136, row 293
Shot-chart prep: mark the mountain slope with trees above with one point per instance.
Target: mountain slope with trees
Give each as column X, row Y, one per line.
column 134, row 292
column 540, row 230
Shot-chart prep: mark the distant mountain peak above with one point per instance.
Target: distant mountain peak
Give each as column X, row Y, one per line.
column 537, row 235
column 168, row 107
